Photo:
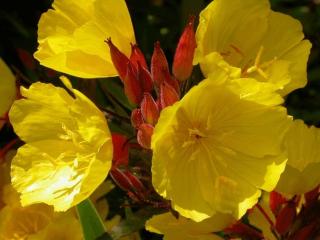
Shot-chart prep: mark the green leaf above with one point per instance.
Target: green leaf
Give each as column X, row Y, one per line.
column 92, row 225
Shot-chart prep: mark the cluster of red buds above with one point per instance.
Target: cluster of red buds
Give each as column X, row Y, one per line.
column 296, row 218
column 151, row 90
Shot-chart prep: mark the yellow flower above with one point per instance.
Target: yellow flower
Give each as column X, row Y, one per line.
column 261, row 43
column 7, row 89
column 71, row 36
column 302, row 171
column 215, row 149
column 64, row 227
column 68, row 148
column 17, row 223
column 185, row 229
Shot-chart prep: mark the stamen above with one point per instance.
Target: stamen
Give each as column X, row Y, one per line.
column 258, row 67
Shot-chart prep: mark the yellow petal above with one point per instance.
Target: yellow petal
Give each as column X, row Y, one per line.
column 302, row 172
column 7, row 89
column 225, row 26
column 68, row 148
column 215, row 149
column 71, row 36
column 185, row 229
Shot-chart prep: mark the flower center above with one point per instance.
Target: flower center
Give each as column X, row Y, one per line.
column 196, row 133
column 258, row 66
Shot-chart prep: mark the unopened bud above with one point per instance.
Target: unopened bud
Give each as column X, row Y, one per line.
column 276, row 200
column 149, row 109
column 145, row 79
column 182, row 63
column 144, row 135
column 159, row 65
column 132, row 86
column 120, row 61
column 26, row 58
column 120, row 150
column 285, row 218
column 136, row 118
column 168, row 95
column 137, row 56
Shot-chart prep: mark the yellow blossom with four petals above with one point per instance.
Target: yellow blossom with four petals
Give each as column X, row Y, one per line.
column 246, row 38
column 68, row 150
column 71, row 36
column 215, row 150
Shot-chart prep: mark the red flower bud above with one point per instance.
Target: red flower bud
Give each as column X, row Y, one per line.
column 137, row 56
column 145, row 79
column 285, row 218
column 159, row 65
column 144, row 135
column 168, row 95
column 242, row 230
column 182, row 63
column 132, row 86
column 136, row 118
column 149, row 109
column 304, row 233
column 276, row 201
column 120, row 150
column 312, row 196
column 121, row 179
column 120, row 61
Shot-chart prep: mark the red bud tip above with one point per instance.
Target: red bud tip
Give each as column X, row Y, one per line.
column 145, row 79
column 168, row 95
column 182, row 63
column 136, row 118
column 276, row 201
column 149, row 109
column 159, row 65
column 120, row 61
column 120, row 150
column 285, row 218
column 144, row 135
column 132, row 86
column 137, row 56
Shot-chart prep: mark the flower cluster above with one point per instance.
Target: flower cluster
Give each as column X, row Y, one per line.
column 210, row 157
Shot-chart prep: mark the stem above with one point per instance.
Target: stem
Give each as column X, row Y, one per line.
column 265, row 215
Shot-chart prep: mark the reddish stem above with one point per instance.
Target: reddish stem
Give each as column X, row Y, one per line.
column 265, row 215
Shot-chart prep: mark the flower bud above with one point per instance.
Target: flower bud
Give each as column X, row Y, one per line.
column 120, row 61
column 120, row 150
column 159, row 65
column 137, row 56
column 276, row 201
column 144, row 135
column 149, row 109
column 168, row 95
column 145, row 79
column 132, row 86
column 285, row 218
column 136, row 118
column 182, row 63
